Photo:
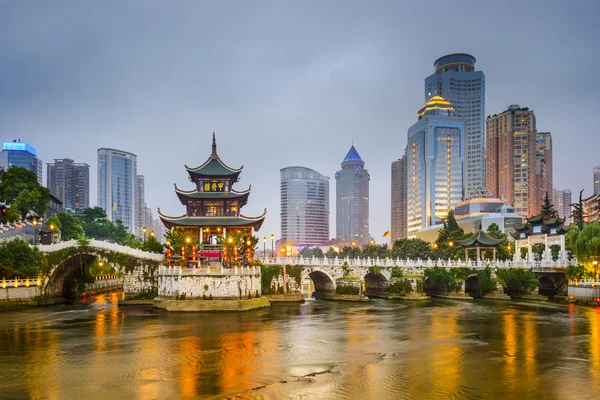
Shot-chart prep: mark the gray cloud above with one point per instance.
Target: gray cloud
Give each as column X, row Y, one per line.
column 283, row 83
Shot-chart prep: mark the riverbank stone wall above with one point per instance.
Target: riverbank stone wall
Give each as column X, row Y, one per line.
column 175, row 283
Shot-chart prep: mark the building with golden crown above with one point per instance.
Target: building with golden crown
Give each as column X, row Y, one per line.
column 434, row 162
column 213, row 206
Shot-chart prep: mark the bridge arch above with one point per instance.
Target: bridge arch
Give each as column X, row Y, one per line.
column 323, row 282
column 472, row 286
column 376, row 284
column 548, row 286
column 71, row 272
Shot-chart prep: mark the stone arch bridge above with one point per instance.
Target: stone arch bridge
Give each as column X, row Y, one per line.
column 136, row 269
column 376, row 274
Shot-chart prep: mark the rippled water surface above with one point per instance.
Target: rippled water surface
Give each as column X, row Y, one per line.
column 326, row 350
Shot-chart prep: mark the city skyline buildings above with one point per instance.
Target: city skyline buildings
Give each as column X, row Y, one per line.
column 456, row 80
column 117, row 172
column 399, row 198
column 70, row 183
column 512, row 164
column 435, row 159
column 352, row 199
column 596, row 185
column 21, row 154
column 304, row 206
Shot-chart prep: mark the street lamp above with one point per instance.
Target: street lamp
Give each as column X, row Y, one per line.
column 450, row 244
column 353, row 243
column 272, row 239
column 264, row 246
column 372, row 242
column 152, row 233
column 230, row 240
column 144, row 230
column 595, row 269
column 188, row 240
column 34, row 222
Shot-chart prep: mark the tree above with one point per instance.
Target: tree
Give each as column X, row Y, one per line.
column 502, row 251
column 70, row 227
column 20, row 186
column 12, row 214
column 17, row 260
column 331, row 253
column 548, row 209
column 412, row 249
column 447, row 238
column 585, row 243
column 350, row 252
column 90, row 215
column 310, row 252
column 375, row 251
column 578, row 214
column 152, row 245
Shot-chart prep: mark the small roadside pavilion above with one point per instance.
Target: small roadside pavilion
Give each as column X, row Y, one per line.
column 480, row 241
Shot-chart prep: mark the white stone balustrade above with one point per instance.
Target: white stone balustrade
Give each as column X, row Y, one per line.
column 99, row 244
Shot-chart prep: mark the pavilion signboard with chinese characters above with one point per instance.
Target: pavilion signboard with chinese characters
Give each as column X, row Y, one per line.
column 214, row 186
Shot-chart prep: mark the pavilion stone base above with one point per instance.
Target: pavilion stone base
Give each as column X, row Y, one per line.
column 211, row 305
column 209, row 289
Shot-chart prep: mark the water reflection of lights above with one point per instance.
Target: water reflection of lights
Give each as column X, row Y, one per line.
column 510, row 348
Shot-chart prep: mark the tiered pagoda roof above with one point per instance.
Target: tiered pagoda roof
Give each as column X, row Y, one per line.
column 214, row 202
column 551, row 225
column 480, row 239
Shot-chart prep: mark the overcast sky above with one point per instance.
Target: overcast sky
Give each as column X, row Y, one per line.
column 284, row 83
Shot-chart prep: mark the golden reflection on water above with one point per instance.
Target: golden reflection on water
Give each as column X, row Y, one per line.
column 593, row 316
column 237, row 360
column 510, row 348
column 530, row 341
column 189, row 369
column 44, row 369
column 445, row 367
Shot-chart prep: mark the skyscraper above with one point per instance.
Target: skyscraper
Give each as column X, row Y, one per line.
column 512, row 165
column 597, row 180
column 70, row 183
column 435, row 173
column 304, row 207
column 20, row 154
column 456, row 80
column 117, row 171
column 399, row 198
column 543, row 153
column 352, row 199
column 562, row 203
column 140, row 205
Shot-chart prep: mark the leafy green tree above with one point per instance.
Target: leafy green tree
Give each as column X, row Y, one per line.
column 585, row 243
column 12, row 214
column 152, row 245
column 350, row 252
column 548, row 209
column 90, row 215
column 578, row 213
column 70, row 227
column 17, row 260
column 331, row 253
column 412, row 249
column 449, row 235
column 375, row 251
column 518, row 280
column 19, row 186
column 310, row 252
column 502, row 251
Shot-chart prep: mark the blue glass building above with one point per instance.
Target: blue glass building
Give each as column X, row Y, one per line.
column 117, row 171
column 19, row 154
column 435, row 174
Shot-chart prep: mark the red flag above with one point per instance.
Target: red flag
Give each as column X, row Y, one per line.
column 387, row 233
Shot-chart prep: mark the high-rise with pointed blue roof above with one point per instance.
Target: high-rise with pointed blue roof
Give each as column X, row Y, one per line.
column 352, row 199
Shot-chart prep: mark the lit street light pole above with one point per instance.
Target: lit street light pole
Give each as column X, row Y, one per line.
column 144, row 230
column 34, row 222
column 264, row 246
column 272, row 240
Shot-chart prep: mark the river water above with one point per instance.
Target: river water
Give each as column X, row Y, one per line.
column 439, row 349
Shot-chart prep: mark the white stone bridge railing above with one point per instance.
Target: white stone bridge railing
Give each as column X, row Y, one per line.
column 545, row 265
column 99, row 244
column 176, row 270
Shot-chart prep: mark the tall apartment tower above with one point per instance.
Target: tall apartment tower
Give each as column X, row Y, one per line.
column 543, row 154
column 562, row 202
column 435, row 172
column 399, row 199
column 304, row 207
column 352, row 199
column 117, row 171
column 456, row 80
column 70, row 183
column 140, row 205
column 597, row 180
column 20, row 154
column 512, row 164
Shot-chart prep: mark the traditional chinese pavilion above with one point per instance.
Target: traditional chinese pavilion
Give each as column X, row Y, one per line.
column 213, row 206
column 540, row 229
